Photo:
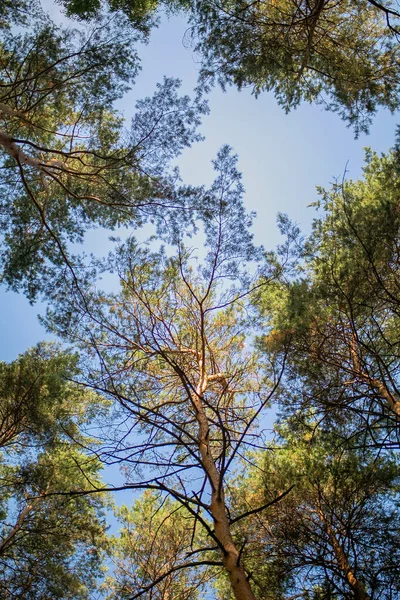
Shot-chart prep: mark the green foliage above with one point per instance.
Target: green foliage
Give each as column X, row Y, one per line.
column 173, row 351
column 341, row 516
column 343, row 55
column 139, row 12
column 67, row 162
column 16, row 12
column 38, row 405
column 50, row 533
column 50, row 545
column 355, row 242
column 337, row 322
column 155, row 542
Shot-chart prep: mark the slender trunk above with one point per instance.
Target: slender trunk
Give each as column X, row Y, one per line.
column 343, row 562
column 230, row 554
column 392, row 401
column 382, row 390
column 8, row 540
column 237, row 575
column 311, row 23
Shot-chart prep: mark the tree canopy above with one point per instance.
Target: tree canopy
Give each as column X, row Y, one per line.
column 174, row 374
column 338, row 320
column 151, row 549
column 335, row 534
column 343, row 55
column 50, row 542
column 68, row 163
column 170, row 350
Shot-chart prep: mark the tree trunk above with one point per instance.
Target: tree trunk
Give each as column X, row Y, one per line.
column 237, row 575
column 230, row 554
column 343, row 562
column 7, row 541
column 392, row 401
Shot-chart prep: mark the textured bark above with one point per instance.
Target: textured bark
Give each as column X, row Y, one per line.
column 14, row 150
column 343, row 561
column 7, row 541
column 231, row 559
column 382, row 390
column 230, row 554
column 379, row 386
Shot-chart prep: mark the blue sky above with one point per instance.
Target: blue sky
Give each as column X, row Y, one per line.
column 282, row 157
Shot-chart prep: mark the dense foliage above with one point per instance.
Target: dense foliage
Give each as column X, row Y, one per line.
column 336, row 533
column 338, row 320
column 67, row 162
column 50, row 542
column 341, row 54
